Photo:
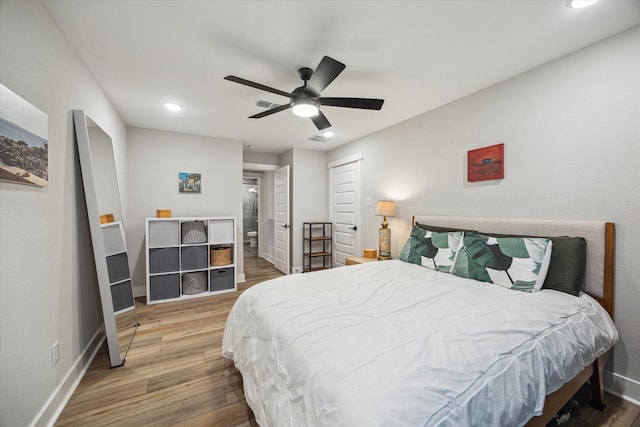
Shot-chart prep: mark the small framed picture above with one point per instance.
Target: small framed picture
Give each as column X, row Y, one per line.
column 189, row 182
column 485, row 163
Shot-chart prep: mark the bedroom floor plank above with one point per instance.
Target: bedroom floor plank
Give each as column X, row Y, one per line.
column 175, row 374
column 617, row 413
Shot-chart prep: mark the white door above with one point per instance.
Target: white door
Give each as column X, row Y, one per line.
column 345, row 210
column 281, row 225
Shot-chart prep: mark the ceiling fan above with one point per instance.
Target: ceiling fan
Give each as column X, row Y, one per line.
column 305, row 101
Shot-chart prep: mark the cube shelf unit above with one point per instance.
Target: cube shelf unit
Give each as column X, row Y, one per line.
column 179, row 270
column 317, row 245
column 115, row 250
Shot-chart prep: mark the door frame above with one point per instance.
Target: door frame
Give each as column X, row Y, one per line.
column 261, row 217
column 257, row 169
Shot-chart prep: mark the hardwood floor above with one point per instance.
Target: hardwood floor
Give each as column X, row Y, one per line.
column 617, row 413
column 175, row 374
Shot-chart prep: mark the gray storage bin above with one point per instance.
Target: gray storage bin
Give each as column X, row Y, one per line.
column 122, row 296
column 164, row 287
column 164, row 233
column 164, row 260
column 194, row 257
column 193, row 232
column 221, row 279
column 113, row 239
column 118, row 267
column 194, row 283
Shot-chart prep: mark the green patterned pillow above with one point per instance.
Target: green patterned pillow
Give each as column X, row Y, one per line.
column 432, row 249
column 568, row 264
column 513, row 262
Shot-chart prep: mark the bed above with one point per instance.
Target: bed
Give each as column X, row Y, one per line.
column 396, row 343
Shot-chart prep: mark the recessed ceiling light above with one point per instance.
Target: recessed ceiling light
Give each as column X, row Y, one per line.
column 328, row 134
column 578, row 4
column 172, row 107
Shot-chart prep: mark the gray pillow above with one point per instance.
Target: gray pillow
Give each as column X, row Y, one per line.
column 439, row 229
column 568, row 265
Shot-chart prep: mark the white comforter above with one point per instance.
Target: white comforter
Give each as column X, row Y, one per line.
column 396, row 344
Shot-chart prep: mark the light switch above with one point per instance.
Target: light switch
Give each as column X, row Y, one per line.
column 368, row 202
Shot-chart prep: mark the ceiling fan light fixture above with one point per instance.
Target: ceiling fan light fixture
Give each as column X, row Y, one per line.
column 172, row 106
column 305, row 100
column 305, row 108
column 578, row 4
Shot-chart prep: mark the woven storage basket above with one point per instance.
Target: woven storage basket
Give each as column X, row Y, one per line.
column 193, row 232
column 194, row 283
column 221, row 256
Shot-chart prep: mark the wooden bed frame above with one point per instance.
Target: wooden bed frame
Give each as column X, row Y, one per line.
column 599, row 283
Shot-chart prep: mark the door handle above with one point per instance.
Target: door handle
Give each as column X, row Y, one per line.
column 354, row 228
column 286, row 226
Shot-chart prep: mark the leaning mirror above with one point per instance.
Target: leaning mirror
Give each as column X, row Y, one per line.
column 107, row 234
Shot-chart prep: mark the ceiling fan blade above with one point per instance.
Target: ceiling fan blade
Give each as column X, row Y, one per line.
column 326, row 71
column 320, row 121
column 271, row 111
column 364, row 103
column 256, row 85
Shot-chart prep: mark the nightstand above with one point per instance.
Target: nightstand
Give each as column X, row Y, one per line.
column 358, row 260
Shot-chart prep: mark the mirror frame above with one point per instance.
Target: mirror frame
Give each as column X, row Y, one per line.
column 116, row 354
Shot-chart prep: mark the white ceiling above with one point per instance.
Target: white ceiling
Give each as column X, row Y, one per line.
column 417, row 55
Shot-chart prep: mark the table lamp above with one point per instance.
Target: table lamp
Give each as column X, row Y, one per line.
column 385, row 208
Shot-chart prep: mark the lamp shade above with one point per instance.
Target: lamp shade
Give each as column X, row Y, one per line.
column 385, row 208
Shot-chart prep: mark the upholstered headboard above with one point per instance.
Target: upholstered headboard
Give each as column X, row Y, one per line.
column 600, row 235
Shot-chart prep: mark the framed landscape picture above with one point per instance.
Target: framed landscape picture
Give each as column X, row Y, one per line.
column 485, row 163
column 189, row 182
column 24, row 146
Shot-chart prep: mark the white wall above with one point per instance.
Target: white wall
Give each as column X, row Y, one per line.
column 309, row 194
column 571, row 131
column 260, row 158
column 48, row 288
column 154, row 159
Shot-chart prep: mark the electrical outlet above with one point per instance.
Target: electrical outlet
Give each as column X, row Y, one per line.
column 55, row 353
column 296, row 270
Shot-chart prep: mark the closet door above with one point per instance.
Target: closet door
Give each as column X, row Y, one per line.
column 345, row 209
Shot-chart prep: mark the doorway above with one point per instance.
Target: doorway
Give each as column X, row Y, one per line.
column 250, row 216
column 258, row 204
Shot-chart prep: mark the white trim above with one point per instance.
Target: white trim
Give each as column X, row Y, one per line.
column 240, row 278
column 259, row 167
column 49, row 413
column 621, row 386
column 344, row 160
